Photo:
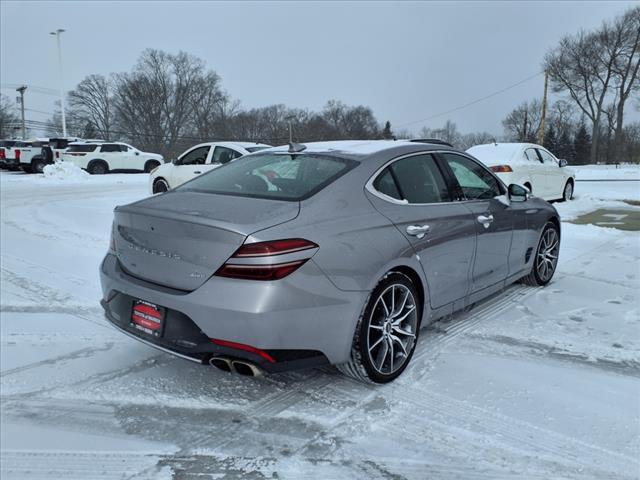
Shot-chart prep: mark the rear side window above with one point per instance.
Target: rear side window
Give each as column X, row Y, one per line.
column 531, row 155
column 416, row 179
column 224, row 155
column 110, row 147
column 81, row 148
column 276, row 176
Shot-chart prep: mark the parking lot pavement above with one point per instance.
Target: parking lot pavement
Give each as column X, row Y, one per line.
column 535, row 382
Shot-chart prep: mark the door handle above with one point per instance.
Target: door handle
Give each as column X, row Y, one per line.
column 197, row 172
column 485, row 220
column 418, row 230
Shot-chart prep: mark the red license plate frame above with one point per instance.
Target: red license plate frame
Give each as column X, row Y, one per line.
column 148, row 318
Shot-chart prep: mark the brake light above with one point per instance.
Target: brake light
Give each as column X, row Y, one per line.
column 259, row 261
column 242, row 346
column 2, row 157
column 17, row 154
column 501, row 169
column 57, row 154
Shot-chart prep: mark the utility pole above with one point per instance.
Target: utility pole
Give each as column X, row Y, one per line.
column 544, row 109
column 289, row 118
column 24, row 129
column 64, row 120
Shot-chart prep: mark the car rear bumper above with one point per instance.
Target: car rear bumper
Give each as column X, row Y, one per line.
column 300, row 321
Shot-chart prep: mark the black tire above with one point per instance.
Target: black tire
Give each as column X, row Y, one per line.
column 98, row 167
column 567, row 193
column 150, row 165
column 37, row 165
column 27, row 169
column 535, row 277
column 160, row 185
column 360, row 365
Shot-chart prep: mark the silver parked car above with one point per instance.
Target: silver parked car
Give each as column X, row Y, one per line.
column 334, row 252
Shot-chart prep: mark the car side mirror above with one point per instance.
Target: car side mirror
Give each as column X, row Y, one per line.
column 562, row 163
column 518, row 193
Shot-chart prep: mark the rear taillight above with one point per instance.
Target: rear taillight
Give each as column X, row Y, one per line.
column 242, row 346
column 271, row 260
column 501, row 169
column 2, row 156
column 57, row 154
column 17, row 154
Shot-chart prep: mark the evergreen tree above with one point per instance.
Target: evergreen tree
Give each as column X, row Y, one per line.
column 564, row 147
column 550, row 140
column 582, row 145
column 387, row 133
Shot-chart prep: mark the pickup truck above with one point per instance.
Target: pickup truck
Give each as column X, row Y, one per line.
column 30, row 157
column 8, row 155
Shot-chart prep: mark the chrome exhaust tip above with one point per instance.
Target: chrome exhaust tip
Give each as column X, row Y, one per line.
column 221, row 363
column 246, row 369
column 236, row 366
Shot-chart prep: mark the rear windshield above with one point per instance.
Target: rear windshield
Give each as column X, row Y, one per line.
column 254, row 149
column 276, row 176
column 81, row 148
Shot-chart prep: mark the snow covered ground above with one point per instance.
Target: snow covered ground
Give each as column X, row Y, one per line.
column 534, row 383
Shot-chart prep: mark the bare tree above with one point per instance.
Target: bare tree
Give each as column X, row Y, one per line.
column 622, row 37
column 523, row 122
column 8, row 118
column 92, row 103
column 581, row 64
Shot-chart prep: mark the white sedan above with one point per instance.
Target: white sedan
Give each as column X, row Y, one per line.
column 198, row 160
column 529, row 165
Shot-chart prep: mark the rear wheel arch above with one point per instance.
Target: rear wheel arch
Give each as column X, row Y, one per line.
column 417, row 282
column 151, row 164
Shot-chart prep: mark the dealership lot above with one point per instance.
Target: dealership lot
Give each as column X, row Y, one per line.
column 543, row 381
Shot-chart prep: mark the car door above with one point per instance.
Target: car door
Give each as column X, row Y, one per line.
column 110, row 153
column 554, row 174
column 190, row 165
column 537, row 172
column 485, row 197
column 413, row 194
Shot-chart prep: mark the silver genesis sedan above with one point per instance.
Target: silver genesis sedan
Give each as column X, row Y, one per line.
column 325, row 253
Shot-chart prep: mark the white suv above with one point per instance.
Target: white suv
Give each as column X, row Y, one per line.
column 198, row 160
column 100, row 158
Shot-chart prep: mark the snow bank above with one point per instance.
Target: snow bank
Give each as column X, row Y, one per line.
column 64, row 171
column 606, row 172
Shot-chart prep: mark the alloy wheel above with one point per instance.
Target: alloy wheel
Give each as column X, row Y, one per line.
column 392, row 329
column 547, row 256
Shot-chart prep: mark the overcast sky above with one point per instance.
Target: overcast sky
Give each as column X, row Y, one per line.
column 407, row 61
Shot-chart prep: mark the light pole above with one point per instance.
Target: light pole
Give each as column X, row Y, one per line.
column 64, row 120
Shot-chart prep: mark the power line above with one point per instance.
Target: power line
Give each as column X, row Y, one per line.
column 486, row 97
column 34, row 88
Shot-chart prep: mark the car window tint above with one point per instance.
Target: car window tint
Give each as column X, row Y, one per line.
column 81, row 148
column 530, row 154
column 474, row 180
column 196, row 156
column 385, row 184
column 547, row 158
column 419, row 180
column 124, row 148
column 277, row 176
column 224, row 155
column 110, row 147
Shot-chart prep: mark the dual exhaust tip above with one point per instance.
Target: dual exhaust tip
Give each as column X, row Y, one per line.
column 236, row 366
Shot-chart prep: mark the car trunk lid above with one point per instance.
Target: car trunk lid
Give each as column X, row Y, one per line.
column 180, row 239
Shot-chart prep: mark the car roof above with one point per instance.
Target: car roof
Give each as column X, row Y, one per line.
column 362, row 148
column 237, row 145
column 499, row 151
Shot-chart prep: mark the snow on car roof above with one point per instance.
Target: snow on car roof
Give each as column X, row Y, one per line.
column 498, row 151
